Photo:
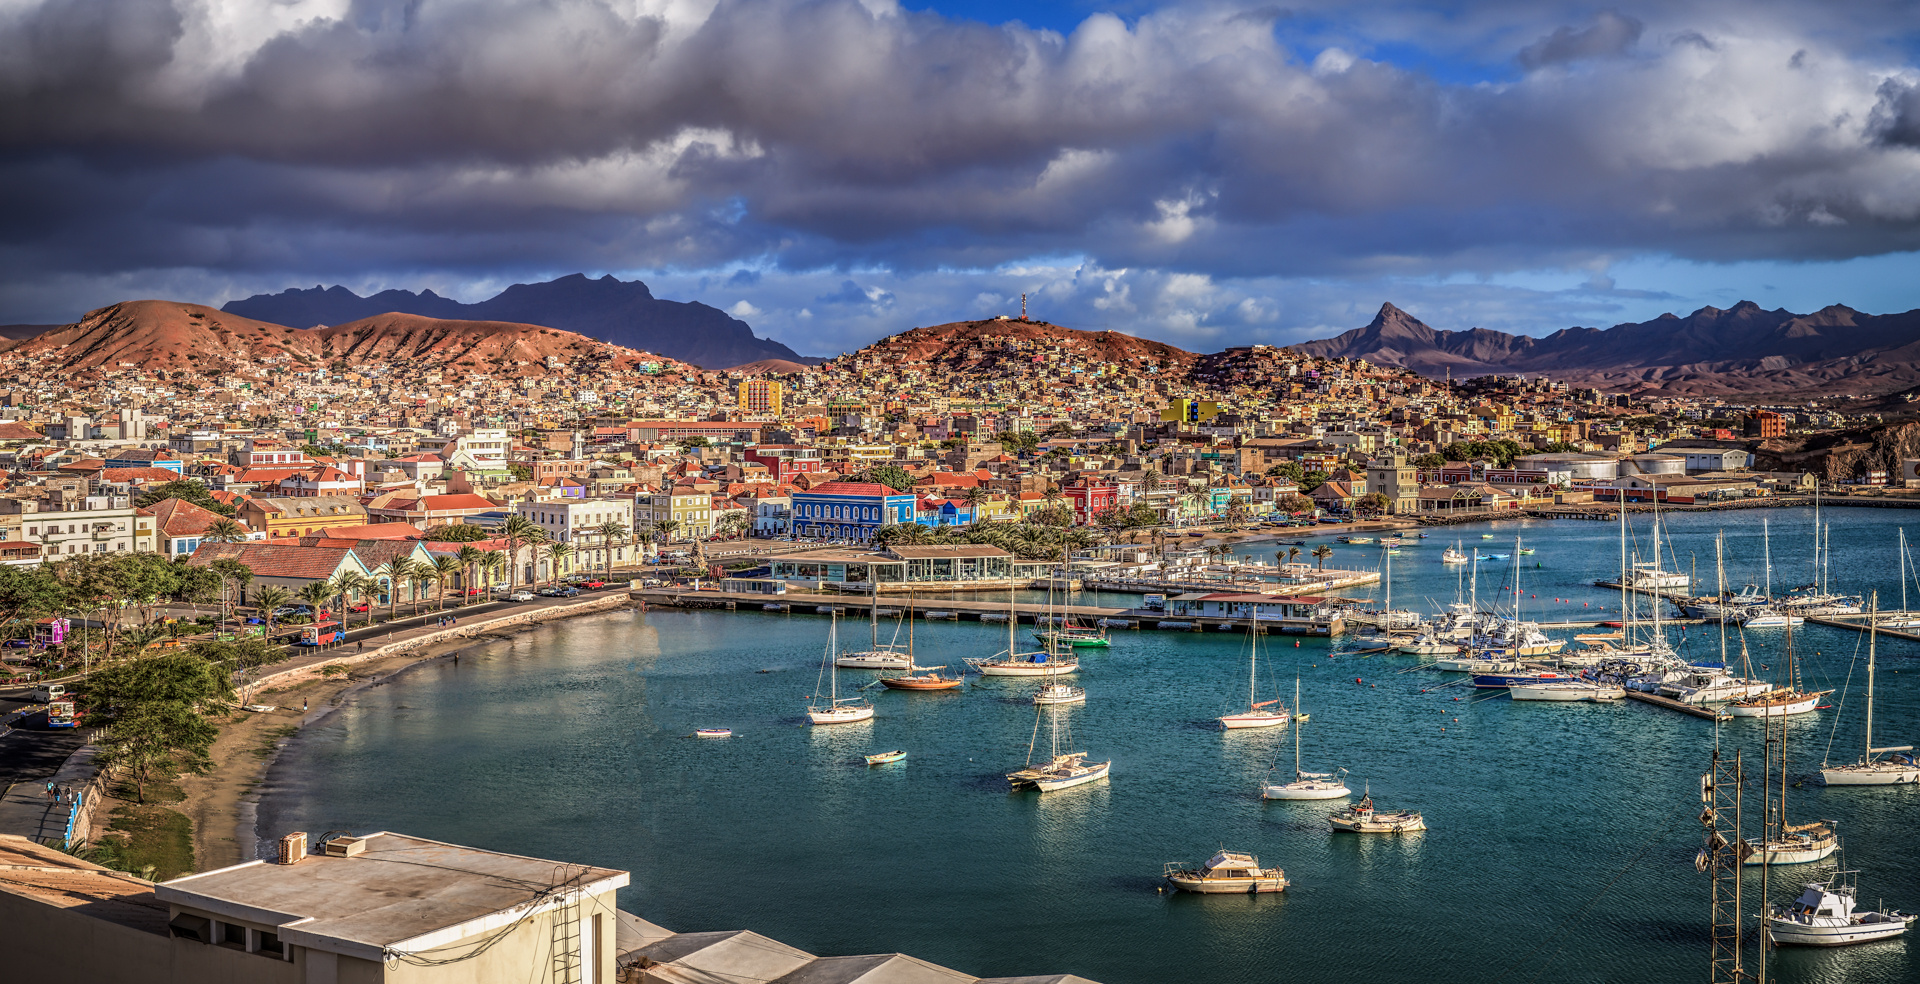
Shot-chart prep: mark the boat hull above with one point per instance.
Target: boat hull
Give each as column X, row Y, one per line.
column 1873, row 926
column 1227, row 886
column 864, row 661
column 1782, row 709
column 840, row 715
column 1024, row 669
column 1306, row 791
column 1061, row 695
column 1877, row 774
column 1783, row 852
column 1379, row 825
column 1053, row 783
column 919, row 683
column 1076, row 641
column 886, row 758
column 1565, row 693
column 1254, row 719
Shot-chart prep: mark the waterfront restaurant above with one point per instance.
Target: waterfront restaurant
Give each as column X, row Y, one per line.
column 1235, row 604
column 964, row 565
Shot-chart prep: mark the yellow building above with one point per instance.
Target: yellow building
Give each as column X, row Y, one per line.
column 762, row 396
column 1190, row 411
column 302, row 515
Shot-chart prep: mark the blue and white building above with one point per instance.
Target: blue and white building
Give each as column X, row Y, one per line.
column 849, row 510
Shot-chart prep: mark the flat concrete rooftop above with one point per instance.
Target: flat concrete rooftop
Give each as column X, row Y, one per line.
column 401, row 889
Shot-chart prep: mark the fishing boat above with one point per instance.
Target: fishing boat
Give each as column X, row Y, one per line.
column 1526, row 551
column 1226, row 873
column 1259, row 713
column 1453, row 555
column 835, row 709
column 1306, row 785
column 713, row 733
column 1063, row 770
column 877, row 656
column 1566, row 691
column 883, row 758
column 1872, row 770
column 1362, row 818
column 1825, row 915
column 920, row 677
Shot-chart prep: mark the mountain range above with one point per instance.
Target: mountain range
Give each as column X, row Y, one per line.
column 619, row 312
column 169, row 335
column 1743, row 349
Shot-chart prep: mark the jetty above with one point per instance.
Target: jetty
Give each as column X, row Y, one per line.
column 1674, row 705
column 980, row 611
column 1846, row 622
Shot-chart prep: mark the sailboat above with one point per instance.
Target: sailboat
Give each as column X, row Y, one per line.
column 1259, row 713
column 1782, row 842
column 835, row 709
column 1056, row 690
column 1871, row 771
column 1514, row 638
column 1766, row 615
column 916, row 679
column 1306, row 785
column 1780, row 701
column 878, row 657
column 1063, row 770
column 1034, row 664
column 1068, row 632
column 1906, row 619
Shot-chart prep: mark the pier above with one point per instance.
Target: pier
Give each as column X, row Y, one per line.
column 1674, row 705
column 862, row 606
column 1842, row 622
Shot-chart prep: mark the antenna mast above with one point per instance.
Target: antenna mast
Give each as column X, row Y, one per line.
column 1023, row 307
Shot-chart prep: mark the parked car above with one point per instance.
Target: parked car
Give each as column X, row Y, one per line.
column 520, row 596
column 361, row 608
column 566, row 591
column 596, row 584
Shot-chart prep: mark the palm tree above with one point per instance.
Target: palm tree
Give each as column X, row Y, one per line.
column 1320, row 555
column 1151, row 480
column 610, row 531
column 973, row 497
column 269, row 598
column 446, row 567
column 224, row 531
column 349, row 586
column 667, row 528
column 492, row 564
column 393, row 572
column 469, row 560
column 518, row 530
column 556, row 552
column 317, row 594
column 421, row 573
column 1293, row 553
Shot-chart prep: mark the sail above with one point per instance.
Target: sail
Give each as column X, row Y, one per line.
column 1264, row 703
column 1316, row 775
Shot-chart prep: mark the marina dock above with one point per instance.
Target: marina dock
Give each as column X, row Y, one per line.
column 1845, row 622
column 861, row 605
column 1674, row 705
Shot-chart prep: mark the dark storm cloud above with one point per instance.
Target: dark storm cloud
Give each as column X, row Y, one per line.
column 322, row 137
column 1611, row 33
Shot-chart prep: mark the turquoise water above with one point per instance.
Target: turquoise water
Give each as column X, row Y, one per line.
column 1560, row 845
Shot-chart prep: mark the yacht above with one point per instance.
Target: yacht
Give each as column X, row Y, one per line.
column 1566, row 691
column 1768, row 617
column 1647, row 576
column 1469, row 662
column 1226, row 873
column 1306, row 785
column 1259, row 713
column 1013, row 663
column 1453, row 555
column 1060, row 772
column 877, row 656
column 1825, row 915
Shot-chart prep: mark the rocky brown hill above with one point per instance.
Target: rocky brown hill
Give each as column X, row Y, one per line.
column 172, row 336
column 1740, row 350
column 620, row 312
column 982, row 344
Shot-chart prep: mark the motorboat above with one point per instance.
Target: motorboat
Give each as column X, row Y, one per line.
column 1648, row 576
column 1226, row 873
column 1453, row 555
column 1509, row 637
column 1429, row 644
column 1566, row 691
column 1825, row 915
column 1060, row 693
column 713, row 733
column 1469, row 663
column 1505, row 681
column 1362, row 818
column 1767, row 617
column 884, row 758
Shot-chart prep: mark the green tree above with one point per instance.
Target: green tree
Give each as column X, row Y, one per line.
column 156, row 712
column 556, row 553
column 224, row 531
column 890, row 475
column 519, row 531
column 446, row 568
column 394, row 572
column 1374, row 502
column 694, row 442
column 610, row 532
column 268, row 599
column 1320, row 555
column 187, row 489
column 458, row 533
column 317, row 594
column 1430, row 461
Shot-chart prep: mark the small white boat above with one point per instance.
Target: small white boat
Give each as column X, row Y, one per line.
column 883, row 758
column 1767, row 618
column 835, row 709
column 1259, row 713
column 1062, row 772
column 1453, row 555
column 1899, row 767
column 1824, row 915
column 713, row 733
column 1362, row 818
column 1306, row 785
column 1566, row 691
column 1226, row 873
column 1060, row 693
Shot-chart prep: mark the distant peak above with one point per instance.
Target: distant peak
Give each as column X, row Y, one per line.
column 1743, row 307
column 1387, row 310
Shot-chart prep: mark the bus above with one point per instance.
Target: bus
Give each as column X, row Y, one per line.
column 62, row 712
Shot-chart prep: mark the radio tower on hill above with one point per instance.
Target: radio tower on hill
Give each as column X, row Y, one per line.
column 1023, row 307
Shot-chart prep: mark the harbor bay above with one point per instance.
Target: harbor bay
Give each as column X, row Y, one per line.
column 1560, row 841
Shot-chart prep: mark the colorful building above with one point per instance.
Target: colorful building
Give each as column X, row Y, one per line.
column 850, row 510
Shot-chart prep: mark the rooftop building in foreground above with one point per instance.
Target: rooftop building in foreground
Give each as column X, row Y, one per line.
column 381, row 908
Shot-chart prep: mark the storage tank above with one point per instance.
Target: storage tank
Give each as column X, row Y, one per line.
column 1653, row 463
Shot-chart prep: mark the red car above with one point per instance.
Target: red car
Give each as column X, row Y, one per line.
column 361, row 607
column 595, row 583
column 471, row 592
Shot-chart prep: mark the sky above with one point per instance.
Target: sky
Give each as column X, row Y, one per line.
column 833, row 171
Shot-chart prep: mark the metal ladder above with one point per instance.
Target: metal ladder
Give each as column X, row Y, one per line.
column 566, row 940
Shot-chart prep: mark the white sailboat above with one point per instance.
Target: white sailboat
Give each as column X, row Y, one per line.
column 1064, row 770
column 1306, row 785
column 1259, row 713
column 1566, row 691
column 835, row 709
column 877, row 657
column 1018, row 664
column 1056, row 690
column 1781, row 842
column 1871, row 770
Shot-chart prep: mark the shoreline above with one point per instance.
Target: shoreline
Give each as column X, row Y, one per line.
column 222, row 805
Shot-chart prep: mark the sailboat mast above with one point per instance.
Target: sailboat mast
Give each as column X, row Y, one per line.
column 833, row 684
column 1766, row 553
column 1903, row 570
column 1720, row 585
column 1296, row 729
column 1873, row 619
column 1253, row 660
column 1625, row 599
